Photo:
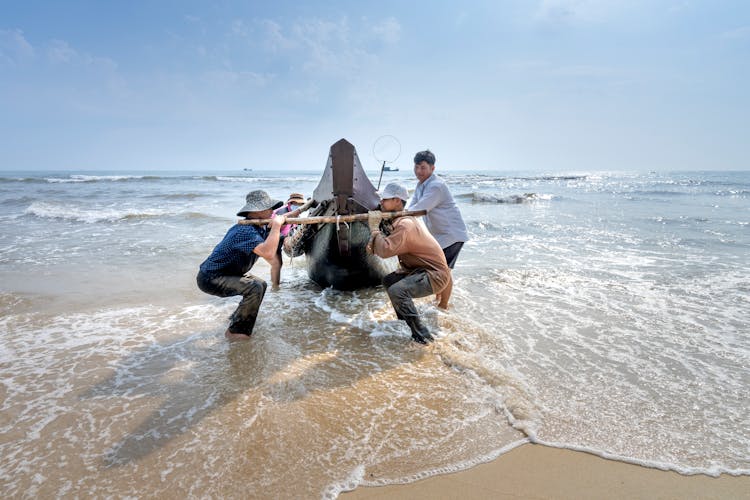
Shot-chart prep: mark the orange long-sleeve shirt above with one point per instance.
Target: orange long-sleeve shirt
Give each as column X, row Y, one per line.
column 416, row 249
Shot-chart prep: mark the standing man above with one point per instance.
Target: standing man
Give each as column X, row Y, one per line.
column 225, row 272
column 443, row 218
column 422, row 267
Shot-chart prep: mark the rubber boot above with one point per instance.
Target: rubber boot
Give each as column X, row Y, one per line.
column 419, row 332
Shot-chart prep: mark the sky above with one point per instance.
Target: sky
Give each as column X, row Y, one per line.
column 550, row 85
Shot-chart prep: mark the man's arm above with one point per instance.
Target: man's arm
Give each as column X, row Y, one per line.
column 268, row 248
column 394, row 244
column 276, row 271
column 431, row 197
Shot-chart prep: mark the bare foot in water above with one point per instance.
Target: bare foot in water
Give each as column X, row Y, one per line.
column 236, row 336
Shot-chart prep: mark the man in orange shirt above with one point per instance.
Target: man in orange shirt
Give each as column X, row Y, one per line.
column 422, row 271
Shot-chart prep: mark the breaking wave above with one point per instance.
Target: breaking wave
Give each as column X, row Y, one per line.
column 512, row 199
column 94, row 215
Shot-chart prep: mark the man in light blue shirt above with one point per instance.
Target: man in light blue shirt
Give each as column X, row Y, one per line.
column 443, row 218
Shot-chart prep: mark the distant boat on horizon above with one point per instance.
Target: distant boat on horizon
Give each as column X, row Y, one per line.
column 390, row 169
column 247, row 169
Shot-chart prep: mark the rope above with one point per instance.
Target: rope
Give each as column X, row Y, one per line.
column 338, row 221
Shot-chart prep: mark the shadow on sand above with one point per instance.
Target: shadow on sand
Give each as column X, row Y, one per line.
column 168, row 388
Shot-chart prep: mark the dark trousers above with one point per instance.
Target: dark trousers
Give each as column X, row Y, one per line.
column 451, row 253
column 250, row 287
column 401, row 289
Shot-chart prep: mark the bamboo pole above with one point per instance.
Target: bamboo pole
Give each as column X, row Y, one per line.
column 300, row 209
column 322, row 219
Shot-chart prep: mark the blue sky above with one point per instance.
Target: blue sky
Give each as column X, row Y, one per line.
column 551, row 85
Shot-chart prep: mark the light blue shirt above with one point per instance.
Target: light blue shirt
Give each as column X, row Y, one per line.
column 443, row 218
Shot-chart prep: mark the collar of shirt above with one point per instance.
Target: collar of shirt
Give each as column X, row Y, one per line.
column 420, row 187
column 432, row 176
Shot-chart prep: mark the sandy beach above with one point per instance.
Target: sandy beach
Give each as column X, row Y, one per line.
column 608, row 313
column 534, row 471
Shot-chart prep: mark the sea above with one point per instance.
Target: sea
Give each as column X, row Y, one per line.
column 600, row 311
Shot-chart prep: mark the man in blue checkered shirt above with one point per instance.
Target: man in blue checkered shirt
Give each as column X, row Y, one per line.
column 225, row 272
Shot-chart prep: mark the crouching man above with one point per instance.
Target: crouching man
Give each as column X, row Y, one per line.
column 225, row 272
column 422, row 271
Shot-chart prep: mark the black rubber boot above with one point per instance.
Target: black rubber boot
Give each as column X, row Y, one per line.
column 419, row 332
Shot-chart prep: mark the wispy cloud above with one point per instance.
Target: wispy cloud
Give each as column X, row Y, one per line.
column 60, row 52
column 742, row 33
column 329, row 45
column 239, row 28
column 538, row 67
column 14, row 47
column 274, row 38
column 331, row 48
column 389, row 30
column 586, row 11
column 224, row 79
column 678, row 7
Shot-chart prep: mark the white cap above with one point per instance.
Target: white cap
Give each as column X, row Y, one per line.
column 394, row 190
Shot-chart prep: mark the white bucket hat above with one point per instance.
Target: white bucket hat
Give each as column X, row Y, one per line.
column 394, row 190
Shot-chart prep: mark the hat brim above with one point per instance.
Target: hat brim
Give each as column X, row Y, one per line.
column 250, row 207
column 388, row 196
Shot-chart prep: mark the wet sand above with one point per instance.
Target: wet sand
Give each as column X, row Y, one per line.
column 534, row 471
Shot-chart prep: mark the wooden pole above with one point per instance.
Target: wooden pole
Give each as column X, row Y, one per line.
column 322, row 219
column 297, row 211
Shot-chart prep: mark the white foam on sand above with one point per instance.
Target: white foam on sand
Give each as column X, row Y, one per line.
column 611, row 356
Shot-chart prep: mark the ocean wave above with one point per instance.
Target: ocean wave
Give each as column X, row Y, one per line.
column 739, row 193
column 512, row 199
column 490, row 179
column 23, row 200
column 21, row 179
column 553, row 178
column 682, row 220
column 199, row 216
column 98, row 178
column 86, row 178
column 658, row 192
column 91, row 215
column 689, row 182
column 178, row 196
column 94, row 215
column 718, row 183
column 249, row 179
column 484, row 226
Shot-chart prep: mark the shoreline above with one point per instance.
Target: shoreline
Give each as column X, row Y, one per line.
column 538, row 471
